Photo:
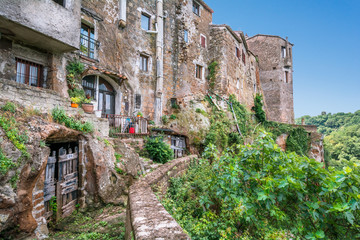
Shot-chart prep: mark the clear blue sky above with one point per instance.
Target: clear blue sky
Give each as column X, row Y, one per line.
column 326, row 55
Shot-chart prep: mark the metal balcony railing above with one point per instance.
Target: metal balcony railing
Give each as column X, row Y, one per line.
column 127, row 125
column 88, row 46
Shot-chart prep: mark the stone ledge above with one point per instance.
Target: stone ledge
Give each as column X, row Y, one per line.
column 148, row 217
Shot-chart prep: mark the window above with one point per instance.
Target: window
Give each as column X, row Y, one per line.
column 60, row 2
column 196, row 8
column 137, row 101
column 283, row 52
column 243, row 57
column 145, row 22
column 237, row 52
column 186, row 36
column 238, row 84
column 88, row 84
column 198, row 71
column 290, row 52
column 203, row 41
column 286, row 76
column 87, row 41
column 29, row 73
column 144, row 62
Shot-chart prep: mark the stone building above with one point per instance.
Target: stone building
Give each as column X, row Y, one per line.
column 276, row 75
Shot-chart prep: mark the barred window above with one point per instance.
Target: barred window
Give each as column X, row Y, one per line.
column 29, row 73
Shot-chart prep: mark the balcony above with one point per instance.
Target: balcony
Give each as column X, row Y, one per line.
column 125, row 125
column 88, row 46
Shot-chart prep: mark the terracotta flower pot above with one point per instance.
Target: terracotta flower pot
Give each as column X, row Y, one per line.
column 74, row 105
column 88, row 108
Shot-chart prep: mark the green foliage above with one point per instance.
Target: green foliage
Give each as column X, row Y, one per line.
column 172, row 116
column 75, row 67
column 328, row 123
column 60, row 116
column 19, row 139
column 53, row 205
column 213, row 69
column 42, row 144
column 76, row 100
column 76, row 92
column 151, row 122
column 259, row 192
column 165, row 119
column 5, row 163
column 14, row 179
column 298, row 141
column 9, row 107
column 258, row 108
column 242, row 115
column 117, row 157
column 158, row 150
column 277, row 128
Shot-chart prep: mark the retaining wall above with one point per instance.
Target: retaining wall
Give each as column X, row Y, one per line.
column 146, row 216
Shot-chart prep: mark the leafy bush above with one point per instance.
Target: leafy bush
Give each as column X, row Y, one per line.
column 172, row 116
column 165, row 119
column 9, row 107
column 158, row 150
column 60, row 116
column 298, row 141
column 258, row 108
column 5, row 163
column 213, row 69
column 259, row 192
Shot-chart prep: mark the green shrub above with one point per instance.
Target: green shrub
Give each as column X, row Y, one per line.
column 259, row 192
column 165, row 119
column 172, row 116
column 258, row 108
column 9, row 107
column 60, row 116
column 158, row 150
column 298, row 141
column 5, row 163
column 213, row 69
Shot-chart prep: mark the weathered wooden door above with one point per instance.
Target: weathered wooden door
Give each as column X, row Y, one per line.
column 49, row 185
column 67, row 185
column 61, row 183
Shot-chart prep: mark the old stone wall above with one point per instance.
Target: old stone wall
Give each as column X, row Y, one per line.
column 275, row 75
column 147, row 218
column 236, row 74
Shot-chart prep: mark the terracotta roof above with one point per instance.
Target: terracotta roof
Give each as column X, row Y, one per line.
column 107, row 72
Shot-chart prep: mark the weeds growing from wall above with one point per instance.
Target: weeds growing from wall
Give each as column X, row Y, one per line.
column 213, row 69
column 258, row 108
column 60, row 116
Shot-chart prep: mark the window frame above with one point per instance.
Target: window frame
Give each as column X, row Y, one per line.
column 243, row 57
column 137, row 101
column 26, row 75
column 143, row 14
column 63, row 4
column 196, row 8
column 92, row 90
column 142, row 58
column 198, row 71
column 202, row 36
column 186, row 36
column 237, row 52
column 286, row 76
column 283, row 52
column 92, row 43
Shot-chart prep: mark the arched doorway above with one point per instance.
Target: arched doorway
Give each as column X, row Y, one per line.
column 102, row 92
column 106, row 102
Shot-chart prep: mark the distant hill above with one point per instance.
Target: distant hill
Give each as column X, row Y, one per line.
column 342, row 136
column 327, row 123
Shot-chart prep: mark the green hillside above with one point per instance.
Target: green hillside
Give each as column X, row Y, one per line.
column 342, row 136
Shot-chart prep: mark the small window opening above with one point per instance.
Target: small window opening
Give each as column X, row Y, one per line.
column 87, row 41
column 186, row 36
column 29, row 73
column 287, row 77
column 60, row 2
column 283, row 52
column 203, row 41
column 238, row 84
column 137, row 101
column 145, row 22
column 237, row 52
column 144, row 63
column 196, row 8
column 199, row 71
column 88, row 84
column 174, row 104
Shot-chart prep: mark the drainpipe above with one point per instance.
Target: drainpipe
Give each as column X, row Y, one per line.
column 159, row 62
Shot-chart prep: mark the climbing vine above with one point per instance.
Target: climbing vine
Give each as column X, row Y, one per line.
column 213, row 68
column 258, row 108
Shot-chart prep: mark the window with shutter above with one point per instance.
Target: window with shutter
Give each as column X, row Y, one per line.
column 137, row 101
column 203, row 41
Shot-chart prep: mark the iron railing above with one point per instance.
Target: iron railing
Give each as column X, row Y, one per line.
column 126, row 124
column 88, row 46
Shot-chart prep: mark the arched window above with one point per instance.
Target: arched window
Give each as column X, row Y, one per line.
column 106, row 102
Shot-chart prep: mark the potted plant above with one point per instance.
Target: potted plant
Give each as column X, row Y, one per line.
column 75, row 101
column 87, row 105
column 139, row 114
